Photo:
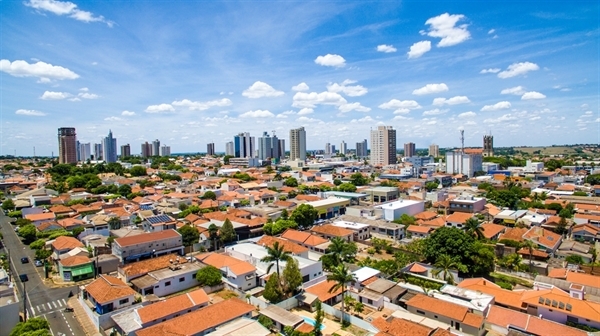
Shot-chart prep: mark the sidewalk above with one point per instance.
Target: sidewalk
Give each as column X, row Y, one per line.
column 56, row 282
column 83, row 319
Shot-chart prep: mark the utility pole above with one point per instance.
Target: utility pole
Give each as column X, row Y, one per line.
column 24, row 303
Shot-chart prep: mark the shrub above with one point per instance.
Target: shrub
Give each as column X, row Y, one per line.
column 504, row 285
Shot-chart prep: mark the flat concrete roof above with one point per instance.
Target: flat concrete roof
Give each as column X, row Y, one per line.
column 328, row 201
column 398, row 204
column 350, row 225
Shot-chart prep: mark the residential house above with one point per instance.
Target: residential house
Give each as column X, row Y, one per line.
column 503, row 321
column 159, row 223
column 64, row 244
column 322, row 291
column 146, row 245
column 544, row 238
column 492, row 231
column 306, row 239
column 467, row 204
column 282, row 318
column 178, row 276
column 107, row 294
column 457, row 316
column 288, row 246
column 76, row 268
column 585, row 232
column 329, row 231
column 48, row 226
column 237, row 273
column 458, row 219
column 39, row 218
column 378, row 291
column 393, row 326
column 417, row 231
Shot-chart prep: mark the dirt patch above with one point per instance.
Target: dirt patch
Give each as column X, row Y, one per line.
column 226, row 294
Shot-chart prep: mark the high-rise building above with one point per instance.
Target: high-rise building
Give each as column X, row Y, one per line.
column 343, row 148
column 85, row 151
column 458, row 162
column 156, row 147
column 276, row 152
column 328, row 149
column 146, row 149
column 361, row 149
column 125, row 151
column 488, row 145
column 77, row 147
column 265, row 146
column 243, row 145
column 165, row 150
column 67, row 145
column 210, row 149
column 383, row 146
column 229, row 149
column 109, row 148
column 409, row 149
column 281, row 148
column 434, row 150
column 298, row 144
column 98, row 154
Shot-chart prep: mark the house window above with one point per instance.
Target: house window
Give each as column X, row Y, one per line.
column 421, row 312
column 182, row 279
column 124, row 301
column 572, row 319
column 168, row 283
column 369, row 301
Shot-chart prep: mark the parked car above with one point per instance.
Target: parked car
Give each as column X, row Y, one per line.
column 23, row 277
column 24, row 260
column 38, row 263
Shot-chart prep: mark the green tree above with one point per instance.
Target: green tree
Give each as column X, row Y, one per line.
column 305, row 215
column 473, row 227
column 35, row 326
column 28, row 232
column 337, row 182
column 359, row 307
column 213, row 232
column 290, row 182
column 284, row 214
column 138, row 171
column 124, row 190
column 319, row 317
column 265, row 321
column 189, row 235
column 341, row 250
column 444, row 265
column 575, row 259
column 561, row 227
column 347, row 187
column 276, row 253
column 273, row 291
column 209, row 276
column 38, row 244
column 77, row 231
column 481, row 259
column 226, row 159
column 358, row 179
column 340, row 276
column 209, row 195
column 530, row 246
column 8, row 204
column 431, row 185
column 110, row 240
column 114, row 223
column 227, row 232
column 292, row 278
column 43, row 254
column 594, row 254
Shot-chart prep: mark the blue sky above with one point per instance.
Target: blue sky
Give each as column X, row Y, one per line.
column 193, row 72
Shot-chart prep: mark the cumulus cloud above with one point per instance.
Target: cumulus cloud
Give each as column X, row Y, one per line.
column 46, row 72
column 312, row 99
column 517, row 69
column 261, row 89
column 362, row 120
column 84, row 89
column 444, row 27
column 257, row 114
column 491, row 31
column 300, row 87
column 498, row 106
column 66, row 8
column 467, row 115
column 431, row 88
column 451, row 101
column 353, row 107
column 490, row 70
column 331, row 60
column 86, row 95
column 386, row 48
column 504, row 118
column 418, row 49
column 306, row 111
column 201, row 106
column 517, row 90
column 281, row 116
column 347, row 89
column 400, row 106
column 128, row 113
column 435, row 111
column 113, row 119
column 532, row 95
column 31, row 113
column 50, row 95
column 307, row 120
column 160, row 108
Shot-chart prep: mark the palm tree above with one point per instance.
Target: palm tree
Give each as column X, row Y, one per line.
column 114, row 223
column 275, row 254
column 594, row 254
column 336, row 249
column 443, row 265
column 473, row 228
column 341, row 276
column 530, row 246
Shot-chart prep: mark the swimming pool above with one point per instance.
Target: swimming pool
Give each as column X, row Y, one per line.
column 312, row 322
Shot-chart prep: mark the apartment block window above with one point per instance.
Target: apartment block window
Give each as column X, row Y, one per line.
column 168, row 283
column 124, row 301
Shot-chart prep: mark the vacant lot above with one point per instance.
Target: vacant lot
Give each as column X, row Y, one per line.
column 547, row 150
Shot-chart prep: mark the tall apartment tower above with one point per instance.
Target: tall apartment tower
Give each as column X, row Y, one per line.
column 98, row 153
column 488, row 145
column 281, row 148
column 229, row 149
column 243, row 145
column 361, row 149
column 409, row 149
column 265, row 146
column 343, row 148
column 298, row 144
column 146, row 149
column 156, row 148
column 125, row 151
column 85, row 152
column 328, row 150
column 210, row 149
column 434, row 150
column 109, row 148
column 67, row 145
column 383, row 146
column 165, row 150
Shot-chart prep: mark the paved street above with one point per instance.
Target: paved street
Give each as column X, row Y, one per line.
column 41, row 300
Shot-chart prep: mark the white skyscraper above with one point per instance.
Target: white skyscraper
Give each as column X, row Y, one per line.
column 383, row 146
column 165, row 150
column 343, row 148
column 298, row 144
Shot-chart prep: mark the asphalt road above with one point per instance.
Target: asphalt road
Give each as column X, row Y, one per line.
column 41, row 301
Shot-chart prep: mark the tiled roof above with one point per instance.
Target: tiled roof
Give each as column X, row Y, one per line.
column 64, row 242
column 458, row 217
column 149, row 265
column 426, row 215
column 579, row 308
column 451, row 310
column 536, row 253
column 491, row 229
column 147, row 237
column 107, row 288
column 221, row 261
column 416, row 268
column 295, row 235
column 75, row 260
column 321, row 290
column 543, row 237
column 584, row 279
column 172, row 305
column 41, row 216
column 515, row 234
column 332, row 230
column 419, row 229
column 401, row 327
column 503, row 317
column 288, row 246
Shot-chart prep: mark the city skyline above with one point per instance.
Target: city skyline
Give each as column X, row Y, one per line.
column 523, row 71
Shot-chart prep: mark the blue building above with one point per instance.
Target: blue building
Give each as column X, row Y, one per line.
column 109, row 148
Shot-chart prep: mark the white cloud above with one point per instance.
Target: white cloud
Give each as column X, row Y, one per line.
column 307, row 120
column 86, row 95
column 498, row 106
column 444, row 27
column 353, row 107
column 431, row 88
column 46, row 72
column 506, row 117
column 517, row 69
column 66, row 8
column 312, row 99
column 451, row 101
column 385, row 48
column 160, row 108
column 535, row 118
column 400, row 106
column 491, row 31
column 348, row 90
column 281, row 116
column 50, row 95
column 517, row 90
column 113, row 119
column 84, row 89
column 128, row 113
column 490, row 70
column 300, row 87
column 31, row 113
column 261, row 89
column 469, row 114
column 532, row 95
column 331, row 60
column 362, row 120
column 565, row 89
column 418, row 49
column 306, row 111
column 435, row 111
column 399, row 117
column 74, row 99
column 201, row 106
column 257, row 114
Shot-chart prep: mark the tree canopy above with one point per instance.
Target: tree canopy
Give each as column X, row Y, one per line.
column 189, row 235
column 35, row 326
column 209, row 276
column 227, row 232
column 305, row 215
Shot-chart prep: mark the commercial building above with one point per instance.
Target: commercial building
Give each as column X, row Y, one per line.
column 361, row 149
column 467, row 204
column 165, row 150
column 409, row 149
column 243, row 145
column 210, row 149
column 109, row 148
column 458, row 162
column 330, row 207
column 298, row 144
column 266, row 146
column 421, row 164
column 383, row 146
column 125, row 151
column 156, row 147
column 67, row 145
column 382, row 194
column 152, row 244
column 394, row 210
column 434, row 150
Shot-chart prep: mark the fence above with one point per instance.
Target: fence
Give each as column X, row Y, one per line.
column 258, row 302
column 288, row 304
column 314, row 281
column 392, row 306
column 347, row 317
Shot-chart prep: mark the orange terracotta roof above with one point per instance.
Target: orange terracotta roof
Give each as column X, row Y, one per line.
column 491, row 229
column 515, row 234
column 221, row 261
column 305, row 328
column 580, row 308
column 503, row 317
column 310, row 198
column 426, row 215
column 583, row 279
column 558, row 273
column 458, row 217
column 295, row 235
column 147, row 237
column 172, row 305
column 75, row 260
column 543, row 237
column 536, row 253
column 287, row 245
column 60, row 209
column 332, row 230
column 416, row 268
column 369, row 280
column 64, row 242
column 437, row 222
column 439, row 307
column 321, row 290
column 502, row 296
column 40, row 217
column 419, row 229
column 107, row 288
column 47, row 225
column 401, row 327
